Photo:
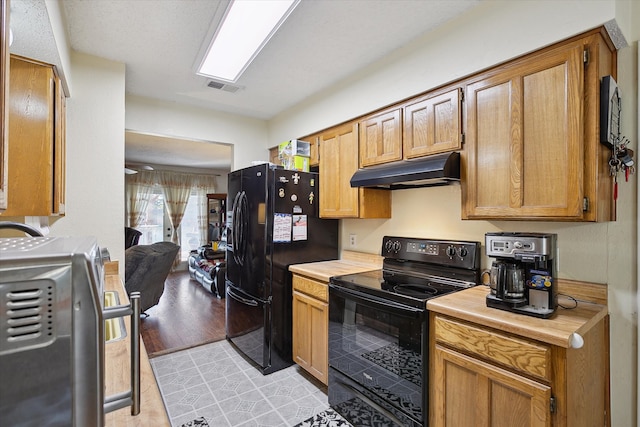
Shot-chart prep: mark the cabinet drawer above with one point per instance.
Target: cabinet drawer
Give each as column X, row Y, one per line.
column 513, row 352
column 314, row 288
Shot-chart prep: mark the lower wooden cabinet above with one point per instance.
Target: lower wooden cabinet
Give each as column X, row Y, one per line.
column 475, row 393
column 311, row 326
column 487, row 378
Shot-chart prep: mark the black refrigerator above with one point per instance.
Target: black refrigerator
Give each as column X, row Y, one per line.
column 272, row 223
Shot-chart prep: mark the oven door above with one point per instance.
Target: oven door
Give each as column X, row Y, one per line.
column 377, row 353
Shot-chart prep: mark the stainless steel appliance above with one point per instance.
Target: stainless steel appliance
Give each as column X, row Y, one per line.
column 378, row 329
column 52, row 334
column 523, row 273
column 272, row 223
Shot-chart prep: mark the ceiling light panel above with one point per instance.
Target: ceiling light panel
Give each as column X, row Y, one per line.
column 246, row 28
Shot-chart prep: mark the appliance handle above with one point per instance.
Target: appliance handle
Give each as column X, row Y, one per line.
column 374, row 301
column 32, row 231
column 238, row 298
column 371, row 403
column 234, row 220
column 132, row 396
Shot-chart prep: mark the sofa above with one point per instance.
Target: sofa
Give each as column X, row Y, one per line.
column 208, row 268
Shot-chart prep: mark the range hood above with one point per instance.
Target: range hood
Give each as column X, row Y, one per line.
column 439, row 169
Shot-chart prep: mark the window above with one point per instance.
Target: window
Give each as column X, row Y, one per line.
column 153, row 222
column 189, row 228
column 156, row 221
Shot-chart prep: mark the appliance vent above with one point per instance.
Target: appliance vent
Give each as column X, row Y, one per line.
column 29, row 315
column 222, row 86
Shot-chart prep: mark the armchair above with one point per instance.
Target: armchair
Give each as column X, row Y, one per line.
column 131, row 237
column 146, row 269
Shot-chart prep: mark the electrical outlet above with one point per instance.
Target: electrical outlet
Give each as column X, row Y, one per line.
column 352, row 240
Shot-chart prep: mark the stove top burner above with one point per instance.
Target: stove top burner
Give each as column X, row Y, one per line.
column 415, row 290
column 415, row 270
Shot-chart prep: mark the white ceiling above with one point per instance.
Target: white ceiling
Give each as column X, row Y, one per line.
column 162, row 41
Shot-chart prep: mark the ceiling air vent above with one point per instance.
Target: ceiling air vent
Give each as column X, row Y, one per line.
column 222, row 86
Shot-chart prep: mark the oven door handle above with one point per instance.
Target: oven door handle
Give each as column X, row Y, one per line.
column 376, row 302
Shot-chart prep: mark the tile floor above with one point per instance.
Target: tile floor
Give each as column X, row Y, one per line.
column 213, row 381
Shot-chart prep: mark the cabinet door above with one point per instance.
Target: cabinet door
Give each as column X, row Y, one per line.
column 59, row 150
column 339, row 161
column 310, row 335
column 32, row 141
column 468, row 392
column 433, row 125
column 339, row 154
column 381, row 138
column 524, row 147
column 4, row 99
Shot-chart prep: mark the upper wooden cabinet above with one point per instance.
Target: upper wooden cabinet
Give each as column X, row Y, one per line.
column 381, row 138
column 36, row 149
column 532, row 137
column 4, row 98
column 314, row 157
column 433, row 124
column 339, row 161
column 274, row 156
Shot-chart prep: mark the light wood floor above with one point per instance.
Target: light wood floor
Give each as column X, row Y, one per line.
column 186, row 316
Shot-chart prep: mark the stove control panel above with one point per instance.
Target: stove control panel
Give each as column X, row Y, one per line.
column 461, row 254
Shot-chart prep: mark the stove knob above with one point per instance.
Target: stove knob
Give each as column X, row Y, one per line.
column 451, row 251
column 388, row 245
column 396, row 246
column 462, row 252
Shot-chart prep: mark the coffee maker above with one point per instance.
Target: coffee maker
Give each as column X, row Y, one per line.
column 522, row 277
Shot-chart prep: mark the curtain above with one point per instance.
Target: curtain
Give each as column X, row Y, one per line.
column 138, row 191
column 177, row 189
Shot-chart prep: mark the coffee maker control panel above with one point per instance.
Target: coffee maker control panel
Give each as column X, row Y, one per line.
column 525, row 246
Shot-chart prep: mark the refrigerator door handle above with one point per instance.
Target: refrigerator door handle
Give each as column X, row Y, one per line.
column 240, row 227
column 237, row 297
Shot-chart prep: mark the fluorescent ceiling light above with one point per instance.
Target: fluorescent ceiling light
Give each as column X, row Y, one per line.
column 246, row 28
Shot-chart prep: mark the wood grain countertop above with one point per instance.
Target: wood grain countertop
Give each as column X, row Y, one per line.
column 117, row 371
column 470, row 305
column 349, row 262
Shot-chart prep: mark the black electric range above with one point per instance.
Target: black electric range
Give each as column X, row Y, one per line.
column 378, row 328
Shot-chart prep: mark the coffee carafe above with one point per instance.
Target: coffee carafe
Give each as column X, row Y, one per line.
column 507, row 282
column 522, row 276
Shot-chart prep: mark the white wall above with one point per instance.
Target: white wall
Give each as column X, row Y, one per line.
column 248, row 136
column 95, row 154
column 495, row 32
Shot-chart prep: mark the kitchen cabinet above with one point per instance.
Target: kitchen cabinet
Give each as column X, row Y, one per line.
column 532, row 147
column 314, row 142
column 311, row 326
column 381, row 137
column 273, row 156
column 498, row 369
column 433, row 124
column 4, row 99
column 339, row 161
column 36, row 146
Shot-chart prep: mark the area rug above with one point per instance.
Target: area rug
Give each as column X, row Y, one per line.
column 198, row 422
column 328, row 418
